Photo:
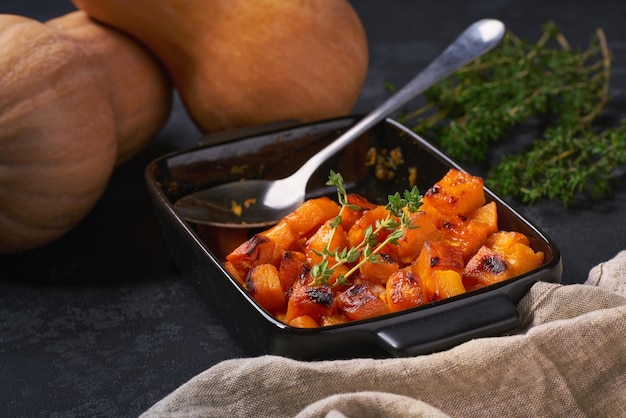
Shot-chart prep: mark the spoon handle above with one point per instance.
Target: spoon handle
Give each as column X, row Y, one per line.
column 477, row 39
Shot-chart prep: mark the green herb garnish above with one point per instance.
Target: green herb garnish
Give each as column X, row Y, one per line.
column 395, row 225
column 557, row 88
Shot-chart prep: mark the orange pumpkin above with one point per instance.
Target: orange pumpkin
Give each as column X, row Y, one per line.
column 77, row 99
column 247, row 62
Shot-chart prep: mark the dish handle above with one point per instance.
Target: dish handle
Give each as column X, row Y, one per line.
column 448, row 327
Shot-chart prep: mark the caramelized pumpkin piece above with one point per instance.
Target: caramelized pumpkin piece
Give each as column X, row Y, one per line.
column 404, row 291
column 350, row 216
column 360, row 302
column 380, row 270
column 324, row 236
column 449, row 283
column 505, row 255
column 304, row 321
column 436, row 255
column 263, row 284
column 469, row 233
column 311, row 214
column 456, row 193
column 515, row 247
column 313, row 301
column 256, row 251
column 291, row 266
column 410, row 245
column 283, row 236
column 484, row 268
column 266, row 247
column 357, row 232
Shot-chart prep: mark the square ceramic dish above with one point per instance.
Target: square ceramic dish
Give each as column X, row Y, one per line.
column 486, row 312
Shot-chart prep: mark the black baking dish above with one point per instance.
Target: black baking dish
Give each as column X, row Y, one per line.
column 486, row 312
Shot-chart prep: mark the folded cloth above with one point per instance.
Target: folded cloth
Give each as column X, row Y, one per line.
column 568, row 359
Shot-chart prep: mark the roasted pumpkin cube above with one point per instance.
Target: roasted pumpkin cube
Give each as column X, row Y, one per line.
column 486, row 267
column 432, row 213
column 449, row 283
column 311, row 214
column 523, row 259
column 291, row 266
column 515, row 247
column 257, row 250
column 284, row 237
column 350, row 216
column 411, row 243
column 356, row 234
column 468, row 236
column 313, row 301
column 471, row 232
column 404, row 291
column 360, row 302
column 486, row 214
column 263, row 283
column 436, row 255
column 326, row 235
column 501, row 241
column 378, row 271
column 456, row 193
column 304, row 321
column 335, row 319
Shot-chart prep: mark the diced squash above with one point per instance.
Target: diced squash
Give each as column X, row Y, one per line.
column 369, row 219
column 311, row 214
column 466, row 234
column 486, row 214
column 332, row 320
column 379, row 271
column 324, row 236
column 304, row 321
column 436, row 255
column 431, row 212
column 501, row 241
column 314, row 301
column 350, row 216
column 290, row 268
column 515, row 248
column 456, row 193
column 257, row 250
column 410, row 245
column 360, row 302
column 404, row 291
column 263, row 284
column 284, row 237
column 484, row 268
column 449, row 283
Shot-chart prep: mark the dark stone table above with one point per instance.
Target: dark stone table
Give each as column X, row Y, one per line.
column 101, row 323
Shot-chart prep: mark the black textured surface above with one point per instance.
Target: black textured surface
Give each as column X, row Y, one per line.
column 101, row 324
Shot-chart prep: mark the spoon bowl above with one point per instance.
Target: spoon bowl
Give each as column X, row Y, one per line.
column 256, row 203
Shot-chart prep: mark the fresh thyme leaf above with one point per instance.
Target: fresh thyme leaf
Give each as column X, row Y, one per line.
column 562, row 87
column 395, row 224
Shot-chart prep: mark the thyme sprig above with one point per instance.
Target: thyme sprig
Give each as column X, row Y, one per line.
column 561, row 89
column 397, row 222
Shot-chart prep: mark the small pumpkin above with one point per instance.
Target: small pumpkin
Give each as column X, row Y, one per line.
column 78, row 98
column 239, row 63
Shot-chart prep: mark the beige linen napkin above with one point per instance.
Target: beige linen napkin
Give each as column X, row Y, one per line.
column 568, row 359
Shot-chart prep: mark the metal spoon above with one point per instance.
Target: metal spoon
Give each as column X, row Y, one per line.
column 271, row 200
